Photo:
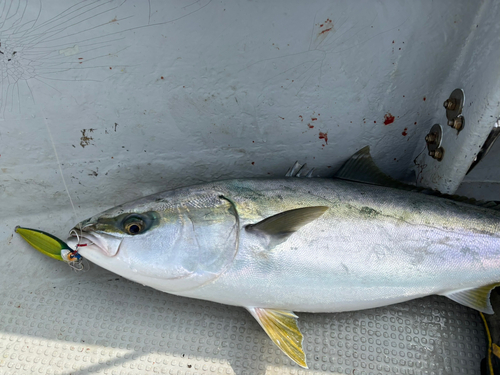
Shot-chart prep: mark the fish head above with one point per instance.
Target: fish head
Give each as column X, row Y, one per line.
column 172, row 241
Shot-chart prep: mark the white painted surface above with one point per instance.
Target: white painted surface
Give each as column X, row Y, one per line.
column 145, row 96
column 476, row 70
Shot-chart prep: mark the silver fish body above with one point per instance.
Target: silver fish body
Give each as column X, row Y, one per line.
column 374, row 246
column 350, row 246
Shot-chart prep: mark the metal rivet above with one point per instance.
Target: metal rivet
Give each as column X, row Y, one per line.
column 454, row 104
column 431, row 138
column 449, row 104
column 437, row 153
column 457, row 123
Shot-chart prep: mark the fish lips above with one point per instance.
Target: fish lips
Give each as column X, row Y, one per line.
column 108, row 245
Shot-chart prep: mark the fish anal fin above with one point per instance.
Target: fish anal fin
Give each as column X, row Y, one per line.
column 280, row 226
column 475, row 298
column 281, row 327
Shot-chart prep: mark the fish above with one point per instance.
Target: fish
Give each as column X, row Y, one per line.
column 277, row 247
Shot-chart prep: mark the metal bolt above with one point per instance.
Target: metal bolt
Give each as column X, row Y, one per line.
column 449, row 104
column 430, row 138
column 457, row 123
column 437, row 153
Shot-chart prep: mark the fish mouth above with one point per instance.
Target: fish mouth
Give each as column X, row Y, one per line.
column 82, row 239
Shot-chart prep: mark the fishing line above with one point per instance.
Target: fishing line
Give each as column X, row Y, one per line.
column 77, row 266
column 59, row 166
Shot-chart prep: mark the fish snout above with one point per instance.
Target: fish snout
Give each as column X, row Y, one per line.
column 87, row 238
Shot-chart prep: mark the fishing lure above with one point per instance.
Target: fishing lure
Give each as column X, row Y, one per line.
column 53, row 247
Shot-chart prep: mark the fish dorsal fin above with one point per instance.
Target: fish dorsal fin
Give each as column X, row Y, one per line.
column 280, row 226
column 281, row 327
column 361, row 168
column 475, row 298
column 299, row 170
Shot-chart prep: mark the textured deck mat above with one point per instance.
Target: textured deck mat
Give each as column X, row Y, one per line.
column 113, row 326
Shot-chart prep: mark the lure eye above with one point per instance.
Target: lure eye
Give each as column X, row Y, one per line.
column 134, row 225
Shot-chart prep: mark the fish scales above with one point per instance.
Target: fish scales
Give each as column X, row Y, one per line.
column 374, row 244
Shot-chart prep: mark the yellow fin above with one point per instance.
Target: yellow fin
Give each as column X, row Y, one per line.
column 475, row 298
column 45, row 243
column 281, row 327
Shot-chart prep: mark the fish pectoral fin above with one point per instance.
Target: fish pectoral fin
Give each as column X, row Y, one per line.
column 475, row 298
column 281, row 327
column 280, row 226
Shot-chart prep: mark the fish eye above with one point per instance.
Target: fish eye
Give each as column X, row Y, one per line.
column 133, row 225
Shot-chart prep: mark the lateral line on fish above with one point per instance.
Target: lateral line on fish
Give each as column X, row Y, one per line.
column 430, row 226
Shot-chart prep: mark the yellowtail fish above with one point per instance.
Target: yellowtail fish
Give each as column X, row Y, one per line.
column 280, row 246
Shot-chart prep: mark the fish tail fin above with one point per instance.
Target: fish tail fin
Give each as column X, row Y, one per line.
column 475, row 298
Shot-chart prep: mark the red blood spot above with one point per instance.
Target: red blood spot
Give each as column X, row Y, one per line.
column 319, row 114
column 321, row 25
column 253, row 141
column 415, row 123
column 310, row 126
column 323, row 136
column 329, row 166
column 281, row 117
column 393, row 42
column 404, row 132
column 326, row 30
column 80, row 58
column 253, row 162
column 395, row 159
column 161, row 77
column 301, row 118
column 374, row 122
column 425, row 98
column 110, row 68
column 314, row 118
column 388, row 119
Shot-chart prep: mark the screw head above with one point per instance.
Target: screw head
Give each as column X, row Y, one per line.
column 430, row 138
column 458, row 123
column 436, row 154
column 449, row 104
